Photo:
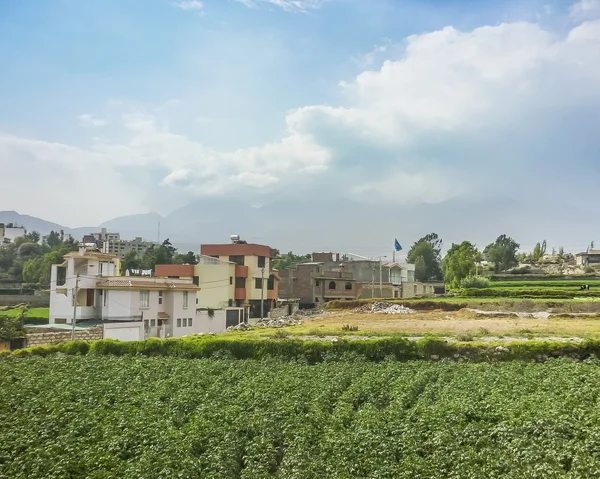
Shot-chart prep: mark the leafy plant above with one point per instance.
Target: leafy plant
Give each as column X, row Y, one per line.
column 475, row 282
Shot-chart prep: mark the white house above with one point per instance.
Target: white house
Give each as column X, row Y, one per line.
column 129, row 307
column 10, row 234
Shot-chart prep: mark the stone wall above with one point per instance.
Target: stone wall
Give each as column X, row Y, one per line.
column 53, row 337
column 35, row 301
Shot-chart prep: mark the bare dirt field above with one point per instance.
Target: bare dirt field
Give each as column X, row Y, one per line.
column 445, row 323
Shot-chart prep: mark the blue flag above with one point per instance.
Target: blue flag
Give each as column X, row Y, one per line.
column 397, row 245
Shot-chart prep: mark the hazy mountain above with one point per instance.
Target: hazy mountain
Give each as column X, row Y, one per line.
column 340, row 225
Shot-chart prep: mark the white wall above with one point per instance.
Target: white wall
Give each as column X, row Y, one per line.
column 126, row 331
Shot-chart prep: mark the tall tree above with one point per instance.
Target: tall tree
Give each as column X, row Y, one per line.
column 502, row 252
column 459, row 263
column 428, row 248
column 131, row 261
column 53, row 239
column 188, row 258
column 162, row 254
column 289, row 260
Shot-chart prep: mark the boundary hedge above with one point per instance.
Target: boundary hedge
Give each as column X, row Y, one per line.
column 321, row 351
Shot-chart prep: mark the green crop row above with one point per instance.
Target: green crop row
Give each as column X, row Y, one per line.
column 316, row 351
column 544, row 284
column 527, row 293
column 142, row 417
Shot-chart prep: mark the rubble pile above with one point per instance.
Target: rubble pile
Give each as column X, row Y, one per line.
column 267, row 323
column 384, row 308
column 278, row 323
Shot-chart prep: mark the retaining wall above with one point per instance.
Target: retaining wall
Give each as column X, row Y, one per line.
column 53, row 337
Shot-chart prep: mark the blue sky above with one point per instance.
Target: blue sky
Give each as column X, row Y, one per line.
column 151, row 104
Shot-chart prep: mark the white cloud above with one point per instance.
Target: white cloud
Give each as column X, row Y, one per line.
column 88, row 120
column 288, row 5
column 505, row 108
column 191, row 5
column 585, row 10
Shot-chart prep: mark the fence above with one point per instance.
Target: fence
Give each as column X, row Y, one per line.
column 52, row 337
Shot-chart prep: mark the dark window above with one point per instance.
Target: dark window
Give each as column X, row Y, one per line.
column 185, row 322
column 230, row 303
column 261, row 262
column 317, row 283
column 332, row 285
column 61, row 276
column 271, row 283
column 179, row 322
column 239, row 260
column 153, row 322
column 258, row 283
column 231, row 280
column 189, row 322
column 89, row 300
column 196, row 280
column 160, row 297
column 240, row 282
column 348, row 285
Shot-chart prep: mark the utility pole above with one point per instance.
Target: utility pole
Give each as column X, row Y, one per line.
column 74, row 320
column 380, row 279
column 262, row 293
column 373, row 282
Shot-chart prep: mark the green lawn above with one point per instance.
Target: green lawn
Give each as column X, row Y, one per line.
column 43, row 313
column 131, row 417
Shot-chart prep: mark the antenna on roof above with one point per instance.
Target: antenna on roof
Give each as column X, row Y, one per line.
column 158, row 238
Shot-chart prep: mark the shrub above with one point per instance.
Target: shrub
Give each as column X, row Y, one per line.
column 349, row 327
column 464, row 337
column 475, row 282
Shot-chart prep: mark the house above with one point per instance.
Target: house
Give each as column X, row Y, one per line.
column 588, row 258
column 333, row 276
column 120, row 247
column 236, row 275
column 10, row 232
column 87, row 286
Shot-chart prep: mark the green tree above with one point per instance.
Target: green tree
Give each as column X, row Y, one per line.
column 429, row 250
column 11, row 327
column 503, row 253
column 163, row 254
column 188, row 258
column 459, row 263
column 289, row 260
column 420, row 269
column 131, row 261
column 53, row 239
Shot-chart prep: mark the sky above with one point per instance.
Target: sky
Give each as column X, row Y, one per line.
column 130, row 106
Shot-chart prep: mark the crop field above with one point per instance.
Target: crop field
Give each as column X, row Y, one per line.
column 134, row 417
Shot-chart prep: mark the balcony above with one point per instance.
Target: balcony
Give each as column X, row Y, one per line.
column 240, row 294
column 241, row 271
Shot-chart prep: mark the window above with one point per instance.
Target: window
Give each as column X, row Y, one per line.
column 240, row 282
column 196, row 300
column 89, row 297
column 196, row 280
column 230, row 303
column 231, row 280
column 261, row 262
column 179, row 322
column 160, row 297
column 258, row 283
column 146, row 323
column 61, row 276
column 317, row 283
column 105, row 298
column 239, row 260
column 271, row 283
column 185, row 299
column 332, row 285
column 145, row 299
column 152, row 323
column 189, row 322
column 348, row 286
column 185, row 322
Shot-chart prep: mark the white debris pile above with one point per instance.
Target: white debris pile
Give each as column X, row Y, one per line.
column 240, row 327
column 278, row 323
column 384, row 308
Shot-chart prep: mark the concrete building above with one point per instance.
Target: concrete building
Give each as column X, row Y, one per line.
column 236, row 275
column 9, row 233
column 121, row 247
column 591, row 257
column 87, row 287
column 253, row 278
column 344, row 276
column 98, row 239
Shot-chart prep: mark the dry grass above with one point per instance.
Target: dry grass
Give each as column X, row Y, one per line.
column 449, row 324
